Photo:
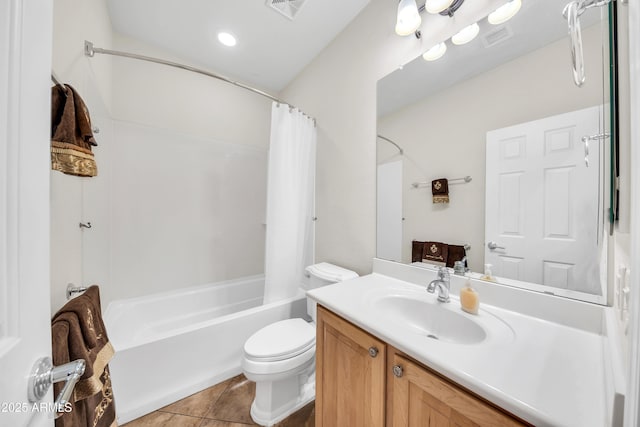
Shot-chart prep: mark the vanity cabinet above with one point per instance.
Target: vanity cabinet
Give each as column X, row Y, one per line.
column 419, row 397
column 363, row 382
column 350, row 374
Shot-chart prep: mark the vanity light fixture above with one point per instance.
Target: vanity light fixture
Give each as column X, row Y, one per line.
column 443, row 7
column 466, row 34
column 435, row 52
column 226, row 39
column 437, row 6
column 505, row 12
column 408, row 20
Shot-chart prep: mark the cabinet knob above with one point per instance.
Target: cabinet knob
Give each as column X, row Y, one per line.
column 398, row 371
column 373, row 351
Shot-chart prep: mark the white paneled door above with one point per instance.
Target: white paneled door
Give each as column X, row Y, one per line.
column 25, row 331
column 543, row 202
column 389, row 210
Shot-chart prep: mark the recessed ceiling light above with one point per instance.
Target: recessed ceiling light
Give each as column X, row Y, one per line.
column 466, row 34
column 226, row 39
column 505, row 12
column 435, row 52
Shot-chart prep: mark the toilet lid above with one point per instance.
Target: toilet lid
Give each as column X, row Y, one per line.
column 281, row 340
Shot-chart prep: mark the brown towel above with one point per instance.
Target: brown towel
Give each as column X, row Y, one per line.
column 417, row 249
column 456, row 253
column 71, row 133
column 78, row 332
column 435, row 251
column 440, row 190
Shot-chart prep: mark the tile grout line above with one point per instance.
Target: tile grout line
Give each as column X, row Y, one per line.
column 134, row 422
column 227, row 388
column 208, row 407
column 229, row 381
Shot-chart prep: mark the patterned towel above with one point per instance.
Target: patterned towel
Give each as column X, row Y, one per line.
column 78, row 332
column 440, row 190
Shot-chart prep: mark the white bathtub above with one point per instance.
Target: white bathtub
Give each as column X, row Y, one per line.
column 174, row 344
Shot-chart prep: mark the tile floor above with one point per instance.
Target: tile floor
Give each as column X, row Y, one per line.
column 224, row 405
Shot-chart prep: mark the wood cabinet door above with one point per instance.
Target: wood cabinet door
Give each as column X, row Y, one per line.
column 350, row 374
column 419, row 398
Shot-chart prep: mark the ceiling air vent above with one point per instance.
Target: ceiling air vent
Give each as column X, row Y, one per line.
column 288, row 8
column 497, row 36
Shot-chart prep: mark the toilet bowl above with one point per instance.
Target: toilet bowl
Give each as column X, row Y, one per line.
column 280, row 358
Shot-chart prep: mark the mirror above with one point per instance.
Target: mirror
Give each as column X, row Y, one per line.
column 503, row 121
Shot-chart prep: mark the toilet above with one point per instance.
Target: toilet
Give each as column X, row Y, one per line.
column 280, row 358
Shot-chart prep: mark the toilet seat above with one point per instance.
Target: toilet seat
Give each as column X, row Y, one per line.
column 280, row 348
column 281, row 340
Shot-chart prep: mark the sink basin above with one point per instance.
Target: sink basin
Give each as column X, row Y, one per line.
column 437, row 321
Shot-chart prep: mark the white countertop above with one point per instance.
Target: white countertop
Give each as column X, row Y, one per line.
column 546, row 373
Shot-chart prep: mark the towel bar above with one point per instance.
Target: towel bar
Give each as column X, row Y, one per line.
column 44, row 374
column 462, row 180
column 73, row 290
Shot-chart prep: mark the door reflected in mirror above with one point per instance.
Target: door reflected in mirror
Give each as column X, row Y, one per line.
column 503, row 110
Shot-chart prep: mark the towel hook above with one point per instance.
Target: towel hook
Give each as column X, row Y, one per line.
column 87, row 225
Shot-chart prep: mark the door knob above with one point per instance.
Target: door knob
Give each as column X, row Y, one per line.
column 44, row 374
column 398, row 371
column 373, row 351
column 494, row 245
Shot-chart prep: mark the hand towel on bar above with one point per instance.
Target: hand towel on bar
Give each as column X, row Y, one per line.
column 435, row 252
column 455, row 253
column 417, row 249
column 71, row 133
column 440, row 190
column 78, row 332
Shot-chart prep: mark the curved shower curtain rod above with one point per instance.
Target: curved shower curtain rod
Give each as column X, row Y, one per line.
column 391, row 142
column 90, row 50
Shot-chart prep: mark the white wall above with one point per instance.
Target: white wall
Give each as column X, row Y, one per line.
column 338, row 88
column 181, row 211
column 184, row 101
column 439, row 143
column 73, row 22
column 224, row 122
column 185, row 193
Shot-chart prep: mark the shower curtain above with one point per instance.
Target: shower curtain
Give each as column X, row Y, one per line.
column 290, row 201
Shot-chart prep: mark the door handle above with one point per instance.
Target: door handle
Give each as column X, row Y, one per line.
column 44, row 374
column 585, row 141
column 493, row 245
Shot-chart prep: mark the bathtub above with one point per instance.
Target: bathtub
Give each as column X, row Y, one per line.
column 171, row 345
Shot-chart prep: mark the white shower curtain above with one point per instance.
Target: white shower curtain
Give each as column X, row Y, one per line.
column 290, row 201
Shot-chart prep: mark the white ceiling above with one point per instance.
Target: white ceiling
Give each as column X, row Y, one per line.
column 271, row 49
column 537, row 24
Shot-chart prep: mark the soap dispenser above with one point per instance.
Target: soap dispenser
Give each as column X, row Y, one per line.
column 487, row 273
column 469, row 298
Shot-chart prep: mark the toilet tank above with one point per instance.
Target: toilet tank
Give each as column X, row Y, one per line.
column 323, row 274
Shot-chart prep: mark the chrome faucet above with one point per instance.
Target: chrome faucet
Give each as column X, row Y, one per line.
column 460, row 267
column 442, row 283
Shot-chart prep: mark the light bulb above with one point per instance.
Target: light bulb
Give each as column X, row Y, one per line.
column 226, row 39
column 408, row 18
column 435, row 52
column 466, row 34
column 437, row 6
column 505, row 12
